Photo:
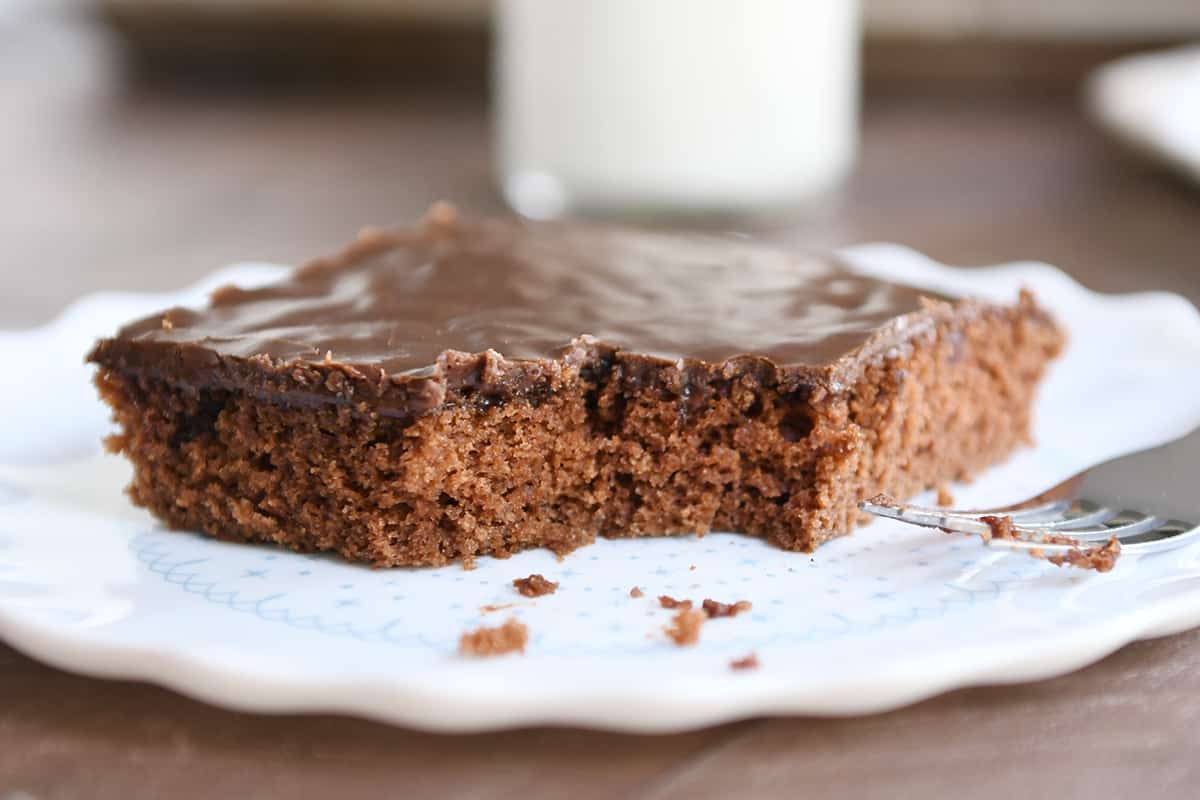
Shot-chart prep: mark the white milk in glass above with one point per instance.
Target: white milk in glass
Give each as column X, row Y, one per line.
column 673, row 105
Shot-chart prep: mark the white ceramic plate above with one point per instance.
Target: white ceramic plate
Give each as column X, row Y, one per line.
column 1152, row 103
column 880, row 619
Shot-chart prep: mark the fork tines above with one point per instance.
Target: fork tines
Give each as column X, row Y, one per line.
column 1058, row 527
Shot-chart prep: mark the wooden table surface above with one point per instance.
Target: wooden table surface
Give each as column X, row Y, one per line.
column 110, row 183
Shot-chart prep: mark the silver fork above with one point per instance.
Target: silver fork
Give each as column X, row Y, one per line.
column 1102, row 502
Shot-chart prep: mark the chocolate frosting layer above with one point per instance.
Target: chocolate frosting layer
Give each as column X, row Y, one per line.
column 398, row 300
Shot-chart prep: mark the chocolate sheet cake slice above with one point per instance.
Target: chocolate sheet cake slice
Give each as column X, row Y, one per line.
column 458, row 389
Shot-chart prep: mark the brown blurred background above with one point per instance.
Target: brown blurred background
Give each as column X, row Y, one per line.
column 146, row 142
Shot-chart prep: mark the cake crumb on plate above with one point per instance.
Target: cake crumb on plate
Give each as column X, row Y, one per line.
column 490, row 607
column 684, row 629
column 484, row 642
column 714, row 609
column 534, row 586
column 748, row 661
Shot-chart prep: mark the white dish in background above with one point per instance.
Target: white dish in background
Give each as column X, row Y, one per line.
column 1152, row 103
column 883, row 618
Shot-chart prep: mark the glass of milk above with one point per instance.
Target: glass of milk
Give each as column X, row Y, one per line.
column 692, row 106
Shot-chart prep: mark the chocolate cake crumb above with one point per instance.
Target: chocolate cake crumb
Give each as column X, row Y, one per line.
column 684, row 629
column 714, row 609
column 485, row 642
column 998, row 528
column 534, row 586
column 666, row 601
column 636, row 592
column 1100, row 558
column 944, row 498
column 749, row 661
column 494, row 607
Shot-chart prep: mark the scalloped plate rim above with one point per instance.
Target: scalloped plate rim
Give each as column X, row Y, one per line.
column 239, row 686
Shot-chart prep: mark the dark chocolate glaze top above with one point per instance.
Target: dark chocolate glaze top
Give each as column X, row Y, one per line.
column 397, row 300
